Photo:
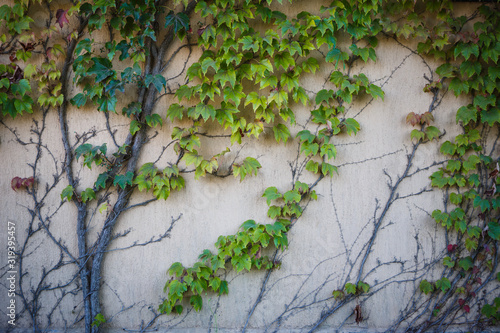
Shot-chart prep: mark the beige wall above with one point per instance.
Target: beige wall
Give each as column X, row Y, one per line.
column 326, row 243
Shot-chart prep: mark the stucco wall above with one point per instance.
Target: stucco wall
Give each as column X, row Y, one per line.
column 379, row 179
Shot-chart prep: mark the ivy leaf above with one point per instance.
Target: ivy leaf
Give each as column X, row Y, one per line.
column 350, row 288
column 281, row 133
column 467, row 114
column 448, row 262
column 135, row 126
column 274, row 211
column 61, row 17
column 363, row 287
column 466, row 263
column 352, row 126
column 271, row 193
column 176, row 288
column 196, row 302
column 101, row 69
column 223, row 289
column 448, row 148
column 178, row 21
column 375, row 91
column 123, row 180
column 484, row 204
column 292, row 196
column 443, row 284
column 426, row 287
column 446, row 70
column 67, row 193
column 158, row 81
column 328, row 169
column 250, row 166
column 494, row 230
column 176, row 269
column 491, row 116
column 88, row 194
column 79, row 100
column 249, row 224
column 312, row 166
column 417, row 134
column 324, row 96
column 432, row 132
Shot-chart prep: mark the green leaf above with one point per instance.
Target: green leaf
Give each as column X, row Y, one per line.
column 249, row 224
column 178, row 21
column 375, row 91
column 123, row 180
column 448, row 148
column 338, row 294
column 223, row 289
column 350, row 288
column 312, row 166
column 352, row 126
column 426, row 287
column 196, row 302
column 271, row 193
column 491, row 116
column 324, row 96
column 328, row 169
column 102, row 69
column 448, row 262
column 88, row 195
column 432, row 132
column 135, row 126
column 484, row 204
column 176, row 269
column 292, row 196
column 158, row 81
column 443, row 284
column 467, row 114
column 363, row 287
column 417, row 134
column 176, row 288
column 281, row 133
column 67, row 193
column 466, row 263
column 446, row 70
column 494, row 230
column 250, row 166
column 274, row 211
column 79, row 100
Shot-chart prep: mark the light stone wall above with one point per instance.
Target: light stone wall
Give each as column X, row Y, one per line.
column 327, row 243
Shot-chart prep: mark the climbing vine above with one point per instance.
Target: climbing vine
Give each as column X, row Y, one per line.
column 246, row 82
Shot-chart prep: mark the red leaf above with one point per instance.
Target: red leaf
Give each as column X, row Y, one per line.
column 15, row 183
column 61, row 17
column 201, row 30
column 466, row 308
column 461, row 302
column 479, row 281
column 18, row 182
column 475, row 270
column 452, row 247
column 412, row 118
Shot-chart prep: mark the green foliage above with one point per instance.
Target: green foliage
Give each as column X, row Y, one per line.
column 273, row 63
column 98, row 320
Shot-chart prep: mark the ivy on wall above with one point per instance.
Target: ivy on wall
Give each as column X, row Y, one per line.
column 247, row 80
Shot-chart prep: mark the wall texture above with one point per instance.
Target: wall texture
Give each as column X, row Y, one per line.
column 372, row 220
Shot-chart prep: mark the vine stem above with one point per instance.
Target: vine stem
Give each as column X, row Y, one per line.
column 393, row 195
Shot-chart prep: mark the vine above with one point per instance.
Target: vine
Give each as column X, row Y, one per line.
column 248, row 82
